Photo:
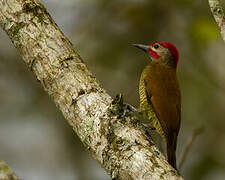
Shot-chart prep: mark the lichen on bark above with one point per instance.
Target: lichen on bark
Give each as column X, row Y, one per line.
column 217, row 12
column 6, row 173
column 107, row 128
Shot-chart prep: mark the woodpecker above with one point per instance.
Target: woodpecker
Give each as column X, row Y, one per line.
column 160, row 97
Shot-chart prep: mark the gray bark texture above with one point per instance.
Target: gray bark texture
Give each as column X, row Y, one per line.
column 6, row 173
column 107, row 127
column 218, row 14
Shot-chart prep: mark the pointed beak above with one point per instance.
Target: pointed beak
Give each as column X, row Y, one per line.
column 145, row 48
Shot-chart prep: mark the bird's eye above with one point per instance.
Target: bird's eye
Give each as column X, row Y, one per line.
column 156, row 46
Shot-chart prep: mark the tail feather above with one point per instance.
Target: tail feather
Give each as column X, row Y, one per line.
column 171, row 151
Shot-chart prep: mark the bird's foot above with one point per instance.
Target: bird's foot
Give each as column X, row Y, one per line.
column 120, row 109
column 149, row 127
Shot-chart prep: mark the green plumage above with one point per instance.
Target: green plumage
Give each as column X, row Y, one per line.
column 160, row 98
column 146, row 105
column 160, row 101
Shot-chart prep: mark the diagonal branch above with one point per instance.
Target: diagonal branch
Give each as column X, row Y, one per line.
column 218, row 14
column 6, row 173
column 107, row 128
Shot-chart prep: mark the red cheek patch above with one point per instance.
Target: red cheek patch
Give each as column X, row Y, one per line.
column 154, row 54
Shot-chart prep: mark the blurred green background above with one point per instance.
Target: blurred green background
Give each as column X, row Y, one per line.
column 38, row 143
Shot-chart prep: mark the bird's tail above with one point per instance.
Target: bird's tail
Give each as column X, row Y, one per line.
column 171, row 150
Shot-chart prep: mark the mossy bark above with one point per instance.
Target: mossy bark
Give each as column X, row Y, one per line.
column 6, row 173
column 218, row 14
column 107, row 128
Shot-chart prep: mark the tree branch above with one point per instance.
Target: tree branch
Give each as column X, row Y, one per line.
column 6, row 173
column 218, row 14
column 109, row 130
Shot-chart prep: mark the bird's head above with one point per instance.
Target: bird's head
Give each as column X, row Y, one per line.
column 164, row 53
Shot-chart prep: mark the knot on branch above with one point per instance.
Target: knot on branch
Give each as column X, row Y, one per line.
column 37, row 9
column 119, row 109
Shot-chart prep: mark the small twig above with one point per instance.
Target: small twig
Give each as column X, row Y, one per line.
column 196, row 132
column 218, row 14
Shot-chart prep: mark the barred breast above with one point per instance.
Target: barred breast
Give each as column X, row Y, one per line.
column 146, row 105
